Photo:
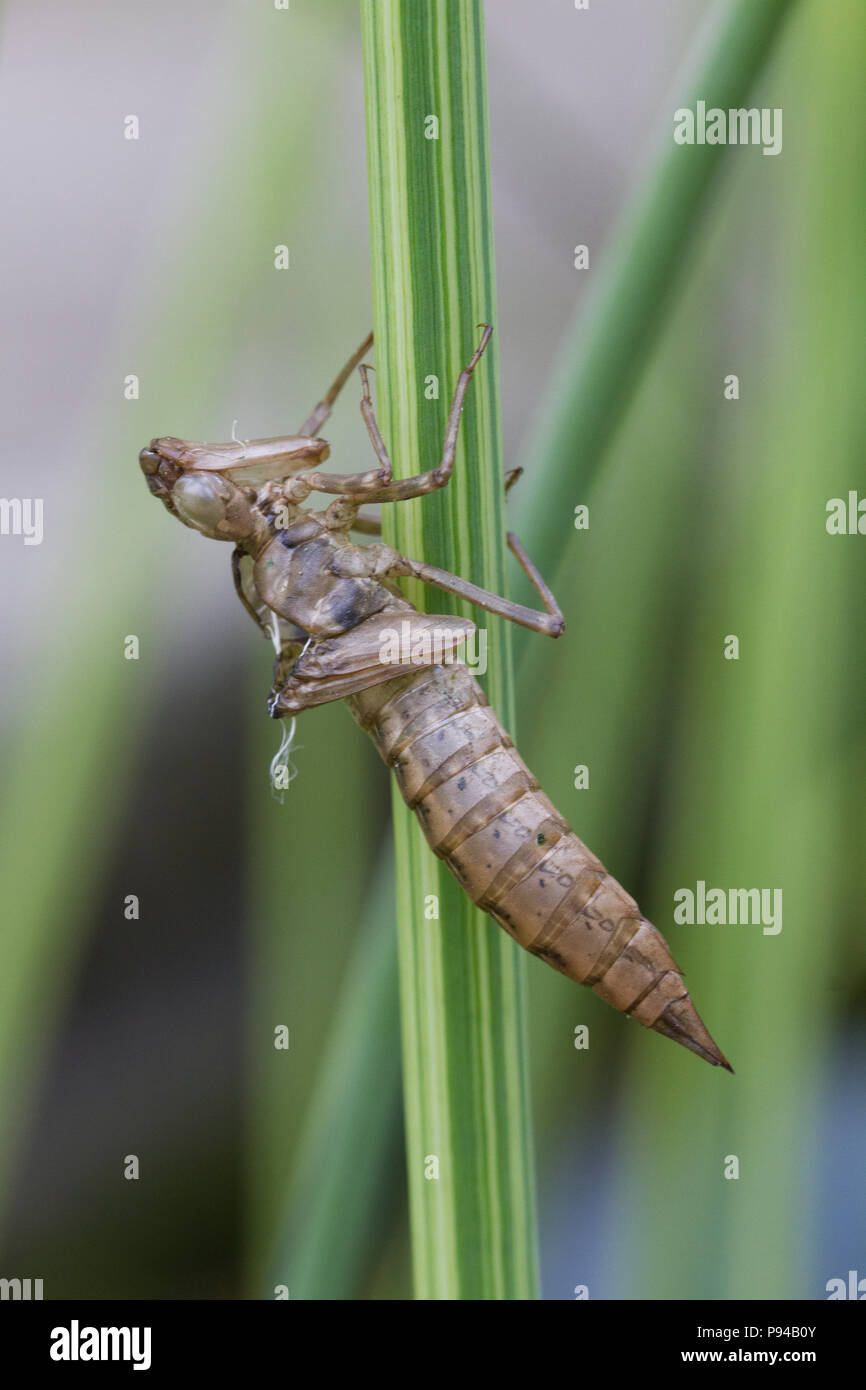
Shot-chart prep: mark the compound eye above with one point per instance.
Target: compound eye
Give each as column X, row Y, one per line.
column 199, row 501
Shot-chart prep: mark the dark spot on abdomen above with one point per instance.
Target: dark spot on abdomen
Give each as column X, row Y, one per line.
column 553, row 958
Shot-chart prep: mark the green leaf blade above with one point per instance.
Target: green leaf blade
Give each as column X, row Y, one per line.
column 465, row 1078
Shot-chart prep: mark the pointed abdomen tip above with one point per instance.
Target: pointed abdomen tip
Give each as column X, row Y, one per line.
column 681, row 1022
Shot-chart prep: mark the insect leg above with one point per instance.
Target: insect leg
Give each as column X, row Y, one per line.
column 450, row 446
column 320, row 413
column 533, row 575
column 438, row 477
column 551, row 622
column 446, row 465
column 372, row 525
column 369, row 414
column 237, row 556
column 376, row 486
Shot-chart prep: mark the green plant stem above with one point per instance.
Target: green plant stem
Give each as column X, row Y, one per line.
column 469, row 1146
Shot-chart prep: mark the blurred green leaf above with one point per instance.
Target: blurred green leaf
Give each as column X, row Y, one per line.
column 755, row 797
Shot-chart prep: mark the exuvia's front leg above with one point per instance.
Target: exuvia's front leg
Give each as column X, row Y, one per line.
column 372, row 525
column 376, row 485
column 258, row 614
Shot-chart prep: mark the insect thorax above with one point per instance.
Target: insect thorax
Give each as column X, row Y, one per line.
column 299, row 583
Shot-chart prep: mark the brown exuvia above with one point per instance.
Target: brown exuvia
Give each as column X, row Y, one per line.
column 332, row 609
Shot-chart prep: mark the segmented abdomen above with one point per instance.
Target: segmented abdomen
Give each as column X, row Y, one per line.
column 485, row 815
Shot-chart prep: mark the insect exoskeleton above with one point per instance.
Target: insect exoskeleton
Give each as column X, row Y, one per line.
column 332, row 606
column 484, row 814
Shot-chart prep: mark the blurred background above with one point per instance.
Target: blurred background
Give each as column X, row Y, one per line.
column 153, row 1035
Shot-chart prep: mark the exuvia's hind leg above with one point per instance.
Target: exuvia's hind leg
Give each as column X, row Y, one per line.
column 320, row 413
column 551, row 622
column 533, row 574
